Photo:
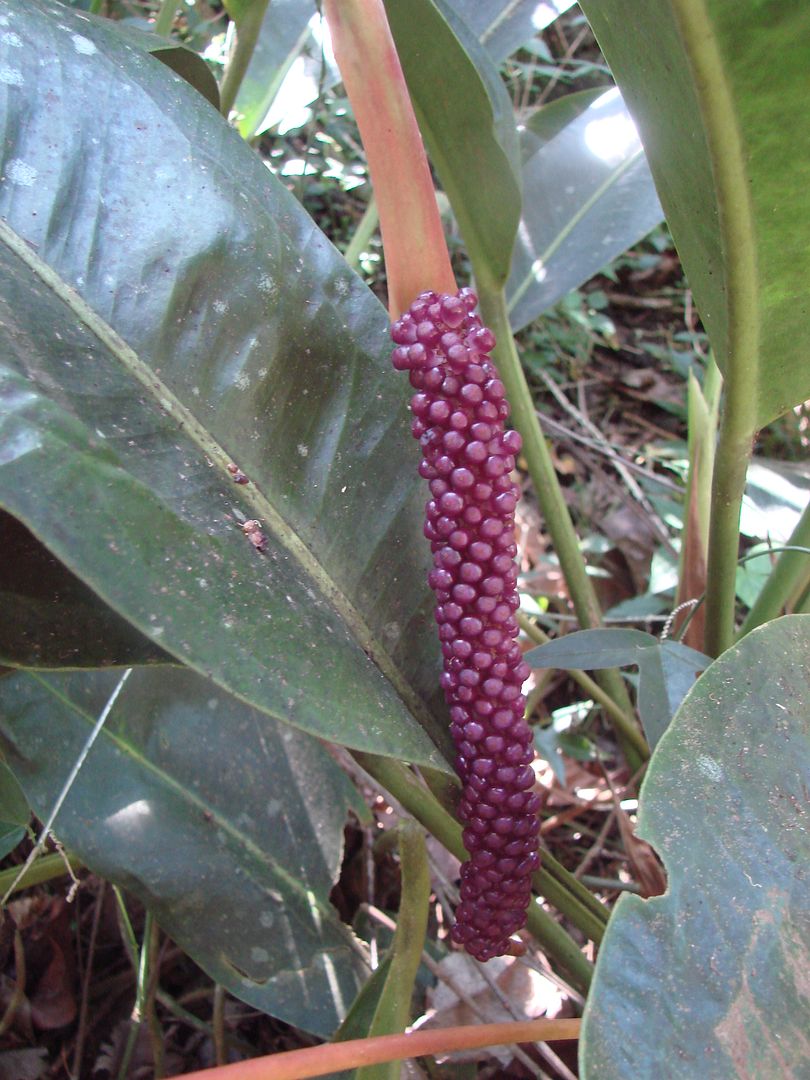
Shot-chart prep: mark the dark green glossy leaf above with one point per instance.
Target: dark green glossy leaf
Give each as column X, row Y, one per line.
column 14, row 807
column 588, row 195
column 710, row 980
column 710, row 84
column 667, row 669
column 227, row 825
column 466, row 119
column 10, row 836
column 503, row 26
column 51, row 618
column 167, row 308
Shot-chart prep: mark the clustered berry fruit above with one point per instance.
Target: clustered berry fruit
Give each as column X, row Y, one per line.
column 459, row 410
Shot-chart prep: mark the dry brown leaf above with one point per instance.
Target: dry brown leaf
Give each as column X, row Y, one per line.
column 647, row 869
column 529, row 993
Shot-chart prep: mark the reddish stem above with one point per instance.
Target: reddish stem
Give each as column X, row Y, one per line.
column 334, row 1057
column 416, row 257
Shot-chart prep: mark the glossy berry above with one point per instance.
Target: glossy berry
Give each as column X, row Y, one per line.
column 459, row 410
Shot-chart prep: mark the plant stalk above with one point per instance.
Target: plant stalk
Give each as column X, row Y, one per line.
column 734, row 449
column 787, row 581
column 547, row 488
column 363, row 234
column 165, row 18
column 46, row 868
column 335, row 1057
column 416, row 255
column 247, row 34
column 393, row 1011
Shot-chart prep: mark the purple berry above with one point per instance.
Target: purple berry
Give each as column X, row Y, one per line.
column 459, row 410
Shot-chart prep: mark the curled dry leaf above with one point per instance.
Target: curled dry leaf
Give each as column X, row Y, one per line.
column 646, row 866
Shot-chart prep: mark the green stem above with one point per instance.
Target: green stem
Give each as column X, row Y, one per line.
column 538, row 458
column 363, row 234
column 547, row 487
column 165, row 19
column 140, row 959
column 734, row 449
column 247, row 33
column 624, row 722
column 574, row 887
column 557, row 895
column 611, row 883
column 407, row 790
column 393, row 1007
column 788, row 579
column 46, row 868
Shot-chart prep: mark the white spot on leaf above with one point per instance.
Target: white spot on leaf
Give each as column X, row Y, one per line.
column 710, row 768
column 20, row 172
column 83, row 45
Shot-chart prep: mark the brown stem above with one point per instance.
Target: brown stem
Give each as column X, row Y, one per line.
column 333, row 1057
column 416, row 256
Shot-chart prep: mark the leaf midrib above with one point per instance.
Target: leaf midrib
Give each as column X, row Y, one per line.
column 264, row 510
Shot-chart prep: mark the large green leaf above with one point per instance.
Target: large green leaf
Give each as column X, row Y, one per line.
column 227, row 824
column 51, row 618
column 710, row 83
column 168, row 307
column 503, row 26
column 710, row 980
column 466, row 118
column 588, row 195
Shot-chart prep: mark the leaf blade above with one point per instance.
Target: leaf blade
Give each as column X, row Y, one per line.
column 732, row 829
column 737, row 213
column 178, row 801
column 589, row 195
column 143, row 401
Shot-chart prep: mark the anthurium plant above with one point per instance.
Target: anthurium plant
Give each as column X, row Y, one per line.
column 237, row 596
